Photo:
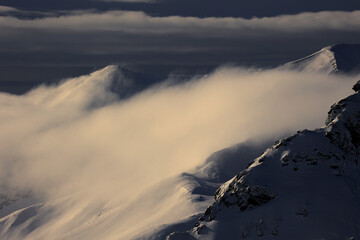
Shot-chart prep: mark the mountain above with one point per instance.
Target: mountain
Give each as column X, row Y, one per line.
column 270, row 195
column 332, row 59
column 306, row 186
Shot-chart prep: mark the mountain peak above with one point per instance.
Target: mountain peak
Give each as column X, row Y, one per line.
column 331, row 59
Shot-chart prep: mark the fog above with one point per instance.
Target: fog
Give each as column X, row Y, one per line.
column 78, row 135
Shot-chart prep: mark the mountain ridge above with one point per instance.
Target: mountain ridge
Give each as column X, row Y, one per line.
column 296, row 189
column 338, row 58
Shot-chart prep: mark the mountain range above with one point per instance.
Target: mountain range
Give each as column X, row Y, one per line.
column 306, row 186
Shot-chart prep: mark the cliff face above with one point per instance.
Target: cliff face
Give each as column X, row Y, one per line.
column 343, row 124
column 304, row 187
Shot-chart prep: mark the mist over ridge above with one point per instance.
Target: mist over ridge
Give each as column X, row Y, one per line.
column 80, row 123
column 81, row 137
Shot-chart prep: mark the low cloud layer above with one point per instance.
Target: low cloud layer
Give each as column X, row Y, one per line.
column 140, row 22
column 90, row 37
column 5, row 9
column 77, row 135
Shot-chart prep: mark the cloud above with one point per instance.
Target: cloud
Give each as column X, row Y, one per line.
column 55, row 139
column 5, row 9
column 92, row 37
column 140, row 22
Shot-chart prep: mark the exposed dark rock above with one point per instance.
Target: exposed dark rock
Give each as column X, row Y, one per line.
column 356, row 87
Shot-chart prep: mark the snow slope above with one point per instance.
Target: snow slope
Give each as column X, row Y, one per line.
column 171, row 205
column 331, row 59
column 304, row 187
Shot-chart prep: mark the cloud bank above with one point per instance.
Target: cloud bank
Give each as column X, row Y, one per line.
column 141, row 22
column 5, row 9
column 93, row 37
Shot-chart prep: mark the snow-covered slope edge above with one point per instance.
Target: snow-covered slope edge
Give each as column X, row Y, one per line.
column 304, row 187
column 332, row 59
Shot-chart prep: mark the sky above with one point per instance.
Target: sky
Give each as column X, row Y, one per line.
column 49, row 40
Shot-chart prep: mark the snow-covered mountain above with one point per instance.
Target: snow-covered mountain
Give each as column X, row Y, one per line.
column 304, row 187
column 260, row 199
column 331, row 59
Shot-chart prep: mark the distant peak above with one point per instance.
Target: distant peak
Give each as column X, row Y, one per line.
column 331, row 59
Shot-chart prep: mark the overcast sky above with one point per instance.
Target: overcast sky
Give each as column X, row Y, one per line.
column 161, row 36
